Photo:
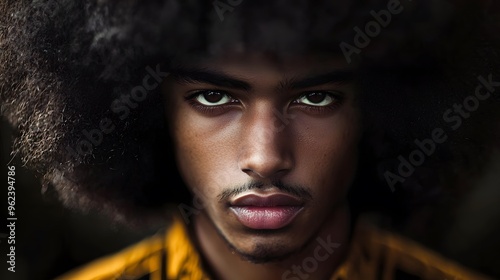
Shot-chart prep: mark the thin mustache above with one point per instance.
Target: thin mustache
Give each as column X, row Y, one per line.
column 295, row 190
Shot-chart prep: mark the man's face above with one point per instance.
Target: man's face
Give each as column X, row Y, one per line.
column 269, row 145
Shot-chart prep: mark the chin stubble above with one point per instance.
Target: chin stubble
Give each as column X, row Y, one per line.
column 261, row 253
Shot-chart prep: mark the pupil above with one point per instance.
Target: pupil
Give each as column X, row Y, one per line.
column 316, row 97
column 212, row 97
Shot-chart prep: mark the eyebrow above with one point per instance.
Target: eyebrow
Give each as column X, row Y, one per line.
column 332, row 77
column 208, row 76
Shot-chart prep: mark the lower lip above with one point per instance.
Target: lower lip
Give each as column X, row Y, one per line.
column 257, row 217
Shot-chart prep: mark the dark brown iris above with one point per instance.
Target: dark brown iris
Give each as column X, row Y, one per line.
column 213, row 96
column 316, row 97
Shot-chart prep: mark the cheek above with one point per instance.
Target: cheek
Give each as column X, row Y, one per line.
column 329, row 152
column 203, row 154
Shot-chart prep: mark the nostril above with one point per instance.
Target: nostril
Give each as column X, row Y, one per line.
column 247, row 170
column 265, row 173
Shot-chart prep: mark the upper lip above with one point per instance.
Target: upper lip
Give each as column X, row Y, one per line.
column 278, row 199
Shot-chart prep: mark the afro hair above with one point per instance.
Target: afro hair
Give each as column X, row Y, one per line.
column 66, row 64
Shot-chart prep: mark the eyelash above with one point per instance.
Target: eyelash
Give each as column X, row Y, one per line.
column 338, row 101
column 209, row 109
column 337, row 96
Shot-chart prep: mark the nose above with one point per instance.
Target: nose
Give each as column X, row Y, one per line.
column 266, row 150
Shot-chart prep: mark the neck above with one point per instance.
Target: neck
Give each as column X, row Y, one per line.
column 317, row 260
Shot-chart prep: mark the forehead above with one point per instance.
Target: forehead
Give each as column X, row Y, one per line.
column 258, row 64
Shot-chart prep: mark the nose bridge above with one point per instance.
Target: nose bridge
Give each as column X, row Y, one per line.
column 262, row 126
column 265, row 150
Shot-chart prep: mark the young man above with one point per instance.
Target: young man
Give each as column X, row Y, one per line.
column 266, row 133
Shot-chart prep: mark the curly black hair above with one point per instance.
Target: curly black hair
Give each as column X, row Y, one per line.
column 66, row 65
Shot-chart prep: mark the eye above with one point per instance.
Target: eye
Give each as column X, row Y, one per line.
column 213, row 98
column 317, row 98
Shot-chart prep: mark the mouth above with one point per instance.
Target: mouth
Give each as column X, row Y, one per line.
column 273, row 211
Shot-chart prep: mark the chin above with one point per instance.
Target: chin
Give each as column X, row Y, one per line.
column 263, row 247
column 263, row 252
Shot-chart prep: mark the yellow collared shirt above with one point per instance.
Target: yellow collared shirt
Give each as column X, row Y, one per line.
column 373, row 255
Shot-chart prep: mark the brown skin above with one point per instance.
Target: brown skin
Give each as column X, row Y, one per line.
column 221, row 147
